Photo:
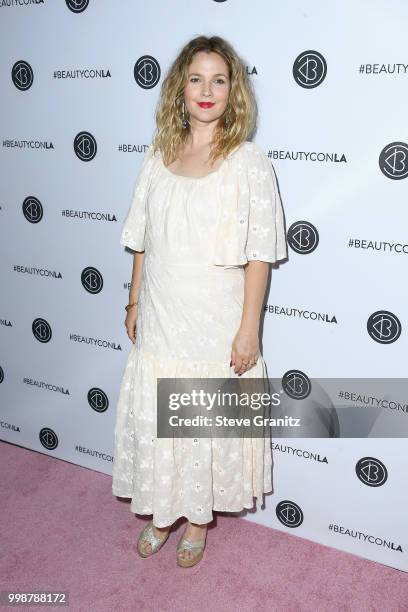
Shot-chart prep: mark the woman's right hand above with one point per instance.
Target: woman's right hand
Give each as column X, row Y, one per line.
column 130, row 323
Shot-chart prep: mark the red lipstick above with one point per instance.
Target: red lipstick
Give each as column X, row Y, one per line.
column 206, row 104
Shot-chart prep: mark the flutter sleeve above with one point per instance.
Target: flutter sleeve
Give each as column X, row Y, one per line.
column 134, row 226
column 266, row 238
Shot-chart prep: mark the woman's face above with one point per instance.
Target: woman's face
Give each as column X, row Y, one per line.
column 207, row 82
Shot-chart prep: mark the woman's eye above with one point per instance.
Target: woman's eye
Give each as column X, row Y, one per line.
column 220, row 81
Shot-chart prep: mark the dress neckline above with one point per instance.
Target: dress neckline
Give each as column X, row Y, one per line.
column 201, row 178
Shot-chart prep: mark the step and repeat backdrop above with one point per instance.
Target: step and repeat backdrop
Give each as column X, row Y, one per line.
column 80, row 81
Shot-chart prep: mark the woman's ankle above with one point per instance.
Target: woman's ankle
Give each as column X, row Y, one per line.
column 196, row 528
column 161, row 530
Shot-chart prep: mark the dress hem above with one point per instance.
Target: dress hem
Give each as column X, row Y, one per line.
column 214, row 509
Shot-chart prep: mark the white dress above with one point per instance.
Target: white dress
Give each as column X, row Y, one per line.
column 196, row 234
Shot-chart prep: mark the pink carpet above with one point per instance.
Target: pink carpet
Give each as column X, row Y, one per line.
column 62, row 529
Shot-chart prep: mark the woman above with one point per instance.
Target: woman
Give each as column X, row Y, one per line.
column 205, row 221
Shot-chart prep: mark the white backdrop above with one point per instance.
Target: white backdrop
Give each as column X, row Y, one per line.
column 331, row 85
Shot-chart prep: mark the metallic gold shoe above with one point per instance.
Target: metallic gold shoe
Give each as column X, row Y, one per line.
column 184, row 543
column 148, row 536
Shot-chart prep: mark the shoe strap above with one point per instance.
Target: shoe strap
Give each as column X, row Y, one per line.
column 149, row 536
column 191, row 545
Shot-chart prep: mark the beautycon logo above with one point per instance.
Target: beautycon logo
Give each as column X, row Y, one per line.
column 296, row 384
column 371, row 471
column 98, row 400
column 384, row 327
column 32, row 209
column 393, row 160
column 147, row 72
column 303, row 237
column 22, row 75
column 48, row 438
column 289, row 514
column 92, row 280
column 77, row 6
column 309, row 69
column 41, row 330
column 300, row 313
column 85, row 146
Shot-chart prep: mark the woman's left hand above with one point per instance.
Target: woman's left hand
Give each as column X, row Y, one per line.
column 245, row 350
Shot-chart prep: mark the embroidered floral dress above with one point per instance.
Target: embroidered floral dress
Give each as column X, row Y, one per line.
column 196, row 233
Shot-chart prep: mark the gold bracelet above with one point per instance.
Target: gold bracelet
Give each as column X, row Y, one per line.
column 130, row 305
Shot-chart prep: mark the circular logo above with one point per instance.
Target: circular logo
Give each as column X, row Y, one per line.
column 384, row 327
column 77, row 6
column 48, row 438
column 92, row 280
column 393, row 160
column 303, row 237
column 22, row 75
column 85, row 146
column 296, row 384
column 147, row 72
column 32, row 209
column 289, row 513
column 41, row 330
column 98, row 400
column 309, row 69
column 1, row 374
column 371, row 471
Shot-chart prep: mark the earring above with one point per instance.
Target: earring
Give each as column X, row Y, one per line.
column 184, row 120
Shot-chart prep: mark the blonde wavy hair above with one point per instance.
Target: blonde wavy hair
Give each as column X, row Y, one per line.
column 240, row 112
